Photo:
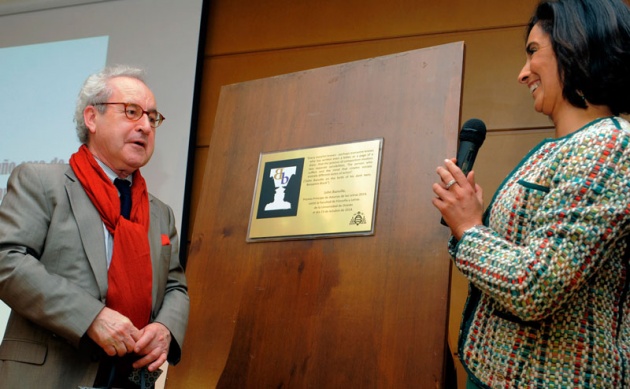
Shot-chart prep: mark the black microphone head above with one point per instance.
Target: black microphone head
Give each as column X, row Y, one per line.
column 474, row 130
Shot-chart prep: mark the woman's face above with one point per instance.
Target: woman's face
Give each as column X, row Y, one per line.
column 540, row 74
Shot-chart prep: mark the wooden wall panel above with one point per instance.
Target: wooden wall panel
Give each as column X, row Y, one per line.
column 491, row 91
column 501, row 152
column 493, row 59
column 253, row 26
column 251, row 39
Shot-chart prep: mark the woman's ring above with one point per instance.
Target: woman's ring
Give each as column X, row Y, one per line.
column 450, row 183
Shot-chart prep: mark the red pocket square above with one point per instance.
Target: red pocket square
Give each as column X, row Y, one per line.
column 165, row 240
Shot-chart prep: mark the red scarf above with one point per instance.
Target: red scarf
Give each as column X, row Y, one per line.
column 129, row 277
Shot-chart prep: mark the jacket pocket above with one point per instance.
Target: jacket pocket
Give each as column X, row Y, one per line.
column 23, row 351
column 520, row 207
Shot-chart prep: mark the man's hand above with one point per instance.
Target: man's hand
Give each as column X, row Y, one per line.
column 153, row 343
column 113, row 332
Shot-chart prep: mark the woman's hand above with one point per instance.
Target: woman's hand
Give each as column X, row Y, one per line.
column 459, row 198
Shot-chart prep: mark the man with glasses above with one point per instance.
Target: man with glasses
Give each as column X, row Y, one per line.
column 88, row 258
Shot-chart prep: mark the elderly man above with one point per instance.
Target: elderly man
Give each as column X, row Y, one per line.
column 88, row 258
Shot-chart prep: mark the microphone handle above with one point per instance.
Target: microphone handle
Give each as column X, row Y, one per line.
column 465, row 159
column 466, row 156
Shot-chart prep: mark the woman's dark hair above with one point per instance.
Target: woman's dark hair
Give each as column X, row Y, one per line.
column 591, row 41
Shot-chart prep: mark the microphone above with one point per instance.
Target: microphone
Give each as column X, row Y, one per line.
column 471, row 138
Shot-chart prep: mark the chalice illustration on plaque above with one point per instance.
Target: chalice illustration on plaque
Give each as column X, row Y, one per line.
column 281, row 177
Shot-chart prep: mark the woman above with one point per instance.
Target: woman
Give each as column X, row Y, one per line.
column 548, row 262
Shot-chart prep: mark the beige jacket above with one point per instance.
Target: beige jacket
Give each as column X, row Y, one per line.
column 53, row 274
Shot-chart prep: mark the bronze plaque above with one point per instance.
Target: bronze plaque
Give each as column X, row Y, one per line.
column 316, row 192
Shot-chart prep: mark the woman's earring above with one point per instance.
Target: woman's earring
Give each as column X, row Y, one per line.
column 581, row 94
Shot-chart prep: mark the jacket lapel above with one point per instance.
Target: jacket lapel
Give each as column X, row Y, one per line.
column 91, row 229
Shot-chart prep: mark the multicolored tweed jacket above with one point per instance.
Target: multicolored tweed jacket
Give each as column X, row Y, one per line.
column 548, row 304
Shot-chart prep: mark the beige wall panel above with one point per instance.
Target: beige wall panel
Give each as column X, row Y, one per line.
column 491, row 91
column 245, row 25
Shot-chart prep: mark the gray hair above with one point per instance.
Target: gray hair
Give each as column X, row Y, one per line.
column 96, row 89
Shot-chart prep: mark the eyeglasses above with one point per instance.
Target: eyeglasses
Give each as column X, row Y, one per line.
column 134, row 112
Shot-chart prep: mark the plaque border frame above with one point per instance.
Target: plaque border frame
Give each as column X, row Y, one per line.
column 323, row 235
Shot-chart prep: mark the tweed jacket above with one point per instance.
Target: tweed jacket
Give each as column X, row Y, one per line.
column 548, row 304
column 53, row 275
